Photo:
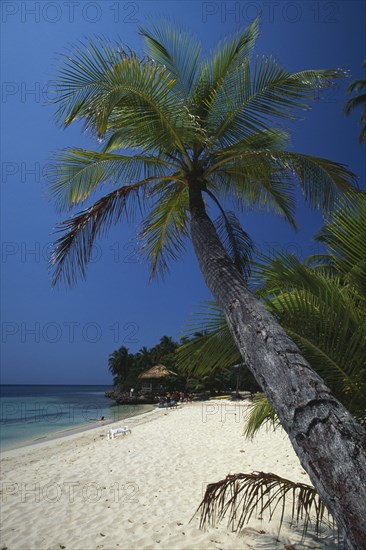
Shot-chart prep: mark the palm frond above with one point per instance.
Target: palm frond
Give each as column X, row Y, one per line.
column 357, row 85
column 258, row 414
column 283, row 272
column 178, row 51
column 100, row 80
column 323, row 317
column 231, row 52
column 344, row 236
column 355, row 102
column 358, row 101
column 346, row 378
column 362, row 136
column 256, row 184
column 236, row 242
column 82, row 76
column 227, row 56
column 213, row 349
column 165, row 228
column 72, row 251
column 77, row 173
column 269, row 139
column 240, row 496
column 250, row 100
column 321, row 181
column 118, row 138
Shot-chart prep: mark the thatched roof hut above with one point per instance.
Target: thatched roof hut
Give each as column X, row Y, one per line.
column 152, row 379
column 159, row 371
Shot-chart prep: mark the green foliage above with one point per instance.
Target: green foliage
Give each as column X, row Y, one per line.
column 126, row 367
column 208, row 351
column 178, row 51
column 165, row 228
column 322, row 317
column 177, row 118
column 358, row 101
column 344, row 237
column 120, row 363
column 259, row 413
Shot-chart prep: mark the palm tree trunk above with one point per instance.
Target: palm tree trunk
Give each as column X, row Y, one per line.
column 330, row 444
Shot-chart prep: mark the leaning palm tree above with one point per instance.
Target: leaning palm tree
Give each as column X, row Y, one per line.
column 175, row 128
column 321, row 303
column 358, row 101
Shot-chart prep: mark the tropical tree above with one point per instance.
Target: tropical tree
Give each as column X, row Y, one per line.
column 164, row 352
column 144, row 357
column 175, row 128
column 358, row 101
column 120, row 362
column 126, row 367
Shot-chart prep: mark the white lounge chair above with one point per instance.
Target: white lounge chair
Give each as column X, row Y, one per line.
column 114, row 431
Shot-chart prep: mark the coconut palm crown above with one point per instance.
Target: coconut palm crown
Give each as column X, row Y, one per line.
column 173, row 120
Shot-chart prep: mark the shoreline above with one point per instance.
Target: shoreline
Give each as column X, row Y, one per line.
column 65, row 433
column 140, row 491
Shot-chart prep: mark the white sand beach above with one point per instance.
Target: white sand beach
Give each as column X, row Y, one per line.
column 140, row 491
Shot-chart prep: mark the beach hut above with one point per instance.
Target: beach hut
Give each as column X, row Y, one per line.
column 152, row 380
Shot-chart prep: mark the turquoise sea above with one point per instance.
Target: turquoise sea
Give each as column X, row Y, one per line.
column 34, row 413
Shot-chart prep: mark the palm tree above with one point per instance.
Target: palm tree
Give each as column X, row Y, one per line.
column 166, row 346
column 144, row 356
column 358, row 101
column 120, row 362
column 175, row 128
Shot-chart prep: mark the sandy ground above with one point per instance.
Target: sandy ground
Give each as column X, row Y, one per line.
column 140, row 491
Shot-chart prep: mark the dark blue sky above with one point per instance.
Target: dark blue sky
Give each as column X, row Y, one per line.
column 58, row 336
